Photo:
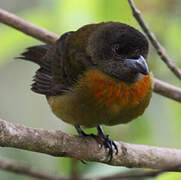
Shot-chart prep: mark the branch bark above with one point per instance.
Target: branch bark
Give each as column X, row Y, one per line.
column 159, row 48
column 59, row 144
column 43, row 35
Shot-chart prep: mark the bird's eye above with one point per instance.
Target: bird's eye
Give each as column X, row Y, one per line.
column 121, row 49
column 117, row 49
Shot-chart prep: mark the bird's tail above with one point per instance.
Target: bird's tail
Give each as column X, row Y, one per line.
column 35, row 54
column 43, row 77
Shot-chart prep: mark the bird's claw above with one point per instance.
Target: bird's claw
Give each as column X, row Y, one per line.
column 102, row 139
column 108, row 143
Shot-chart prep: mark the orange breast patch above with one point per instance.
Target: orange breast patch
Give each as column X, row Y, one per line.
column 112, row 93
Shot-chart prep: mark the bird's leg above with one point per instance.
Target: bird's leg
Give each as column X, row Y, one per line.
column 107, row 142
column 101, row 138
column 80, row 131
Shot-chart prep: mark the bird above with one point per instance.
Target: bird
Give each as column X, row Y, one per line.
column 97, row 75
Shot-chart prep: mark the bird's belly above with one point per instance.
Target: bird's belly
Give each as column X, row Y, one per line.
column 98, row 99
column 86, row 111
column 77, row 111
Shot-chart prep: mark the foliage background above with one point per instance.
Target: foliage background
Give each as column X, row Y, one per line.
column 159, row 126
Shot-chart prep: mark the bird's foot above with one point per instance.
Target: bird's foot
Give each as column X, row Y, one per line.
column 102, row 139
column 107, row 142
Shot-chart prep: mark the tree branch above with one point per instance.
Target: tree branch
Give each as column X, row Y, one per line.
column 159, row 48
column 22, row 169
column 57, row 143
column 18, row 168
column 136, row 175
column 27, row 27
column 167, row 90
column 43, row 35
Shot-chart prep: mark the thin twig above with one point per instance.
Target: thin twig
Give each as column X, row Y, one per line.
column 18, row 168
column 49, row 37
column 26, row 27
column 57, row 143
column 159, row 48
column 133, row 175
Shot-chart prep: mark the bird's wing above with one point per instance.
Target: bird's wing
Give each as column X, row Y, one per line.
column 57, row 72
column 50, row 79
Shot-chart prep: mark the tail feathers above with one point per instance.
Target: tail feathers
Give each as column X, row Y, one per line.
column 43, row 78
column 43, row 81
column 35, row 54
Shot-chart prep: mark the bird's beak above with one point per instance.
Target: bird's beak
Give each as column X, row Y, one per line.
column 138, row 65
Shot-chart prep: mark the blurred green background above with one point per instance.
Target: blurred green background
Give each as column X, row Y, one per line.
column 159, row 126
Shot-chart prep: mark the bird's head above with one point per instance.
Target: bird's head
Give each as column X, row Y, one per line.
column 119, row 50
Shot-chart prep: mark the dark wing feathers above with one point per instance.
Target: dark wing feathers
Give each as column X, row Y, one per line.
column 45, row 84
column 44, row 80
column 50, row 78
column 42, row 83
